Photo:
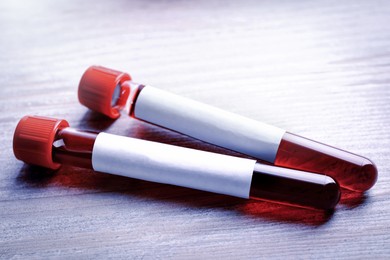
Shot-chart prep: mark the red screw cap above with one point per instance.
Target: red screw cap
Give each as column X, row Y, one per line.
column 33, row 140
column 97, row 88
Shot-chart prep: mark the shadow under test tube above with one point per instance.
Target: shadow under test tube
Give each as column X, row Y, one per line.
column 51, row 142
column 105, row 91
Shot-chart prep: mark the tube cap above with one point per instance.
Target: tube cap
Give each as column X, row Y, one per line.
column 33, row 140
column 97, row 88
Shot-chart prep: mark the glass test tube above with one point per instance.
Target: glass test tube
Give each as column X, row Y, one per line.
column 51, row 142
column 106, row 91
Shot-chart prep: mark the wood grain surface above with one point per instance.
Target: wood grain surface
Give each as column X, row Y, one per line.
column 320, row 69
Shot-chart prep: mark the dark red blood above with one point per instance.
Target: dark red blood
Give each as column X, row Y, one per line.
column 352, row 171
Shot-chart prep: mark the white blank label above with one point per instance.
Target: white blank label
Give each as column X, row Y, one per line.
column 170, row 164
column 209, row 124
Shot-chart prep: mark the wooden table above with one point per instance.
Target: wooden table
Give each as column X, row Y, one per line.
column 320, row 69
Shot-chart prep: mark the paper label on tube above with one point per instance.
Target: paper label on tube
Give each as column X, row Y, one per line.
column 209, row 124
column 170, row 164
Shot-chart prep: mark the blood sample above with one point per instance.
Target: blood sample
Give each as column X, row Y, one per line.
column 104, row 90
column 50, row 142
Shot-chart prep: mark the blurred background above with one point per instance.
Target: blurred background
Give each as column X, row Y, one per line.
column 316, row 68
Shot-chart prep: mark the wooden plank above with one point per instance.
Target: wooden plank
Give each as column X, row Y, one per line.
column 319, row 69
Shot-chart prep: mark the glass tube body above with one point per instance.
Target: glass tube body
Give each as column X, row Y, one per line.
column 352, row 171
column 286, row 186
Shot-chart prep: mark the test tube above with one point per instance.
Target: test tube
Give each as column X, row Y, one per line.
column 106, row 91
column 50, row 142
